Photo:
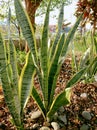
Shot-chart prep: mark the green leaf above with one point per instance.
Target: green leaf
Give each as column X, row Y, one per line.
column 92, row 63
column 76, row 78
column 60, row 22
column 39, row 102
column 61, row 100
column 9, row 68
column 74, row 62
column 14, row 76
column 94, row 68
column 9, row 21
column 26, row 28
column 28, row 33
column 25, row 83
column 69, row 38
column 7, row 87
column 85, row 58
column 95, row 43
column 13, row 63
column 44, row 56
column 53, row 69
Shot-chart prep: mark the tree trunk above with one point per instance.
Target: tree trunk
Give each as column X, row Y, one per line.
column 31, row 7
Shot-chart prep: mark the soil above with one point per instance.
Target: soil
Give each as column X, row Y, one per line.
column 83, row 98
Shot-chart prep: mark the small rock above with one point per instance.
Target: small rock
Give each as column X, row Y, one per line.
column 84, row 95
column 86, row 115
column 46, row 124
column 36, row 115
column 61, row 109
column 55, row 125
column 35, row 126
column 44, row 128
column 63, row 119
column 84, row 127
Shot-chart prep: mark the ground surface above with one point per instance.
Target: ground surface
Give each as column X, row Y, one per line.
column 81, row 114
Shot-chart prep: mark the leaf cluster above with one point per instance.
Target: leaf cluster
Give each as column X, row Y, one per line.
column 17, row 89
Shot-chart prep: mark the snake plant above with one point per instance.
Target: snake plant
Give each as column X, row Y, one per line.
column 17, row 89
column 89, row 59
column 50, row 59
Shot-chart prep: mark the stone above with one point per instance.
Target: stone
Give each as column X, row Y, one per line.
column 86, row 115
column 36, row 115
column 63, row 119
column 84, row 95
column 44, row 128
column 46, row 124
column 35, row 126
column 61, row 109
column 84, row 127
column 55, row 125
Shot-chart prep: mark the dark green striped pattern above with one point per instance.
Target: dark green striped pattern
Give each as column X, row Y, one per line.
column 7, row 87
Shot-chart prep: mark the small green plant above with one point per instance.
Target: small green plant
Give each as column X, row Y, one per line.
column 89, row 59
column 21, row 57
column 47, row 64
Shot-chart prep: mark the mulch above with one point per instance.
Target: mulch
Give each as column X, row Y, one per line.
column 73, row 111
